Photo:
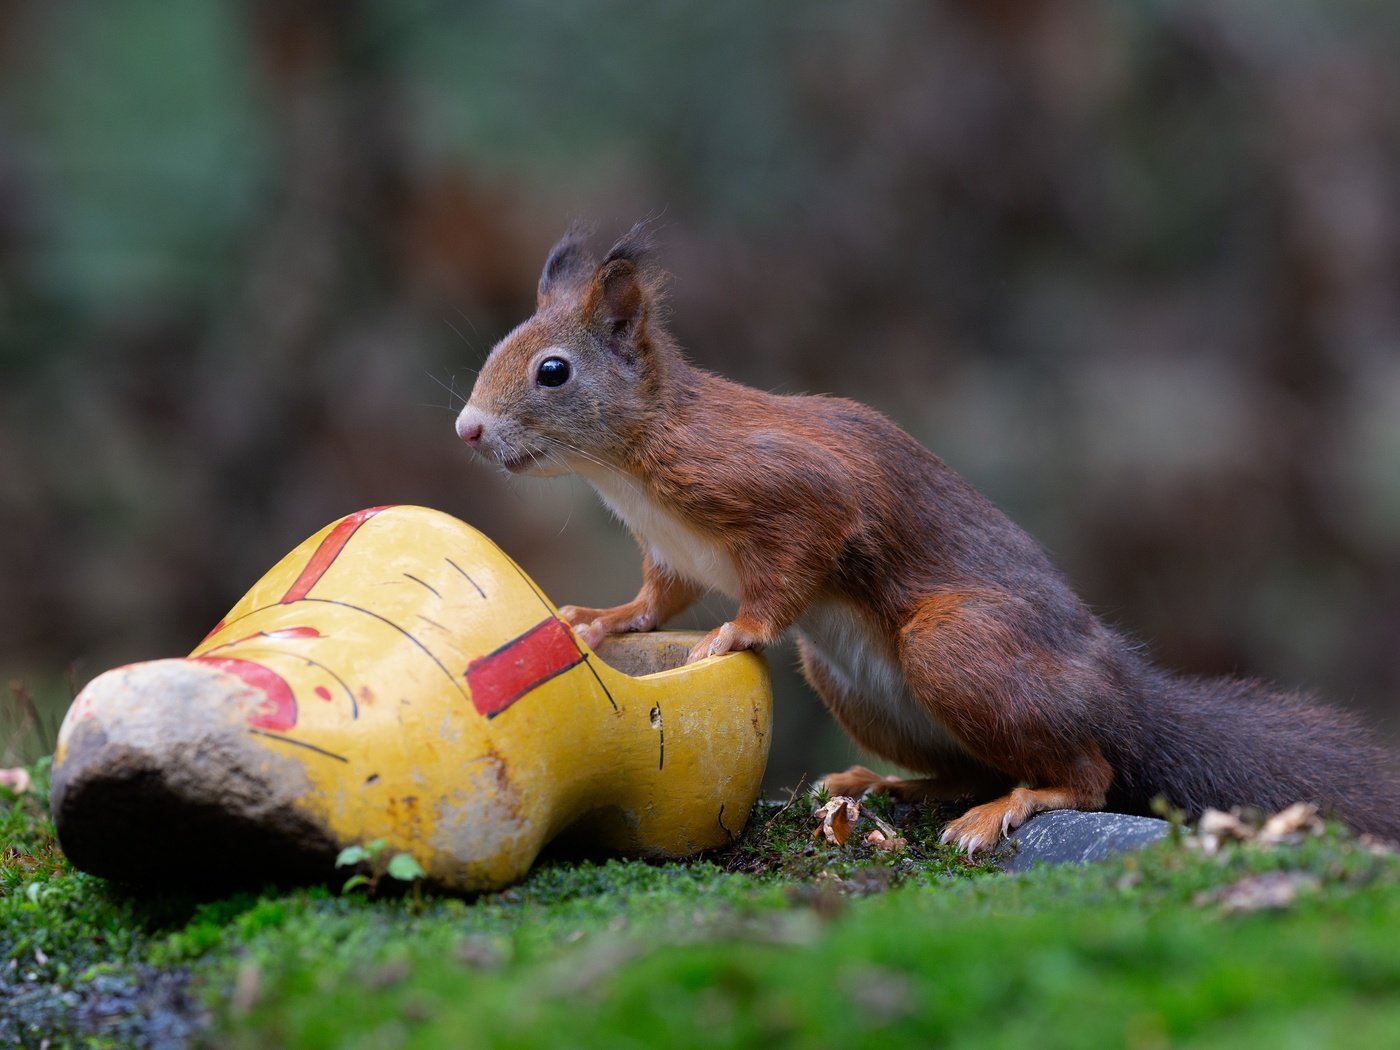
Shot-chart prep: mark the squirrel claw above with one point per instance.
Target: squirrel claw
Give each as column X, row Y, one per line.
column 981, row 827
column 969, row 843
column 591, row 634
column 576, row 615
column 718, row 642
column 586, row 624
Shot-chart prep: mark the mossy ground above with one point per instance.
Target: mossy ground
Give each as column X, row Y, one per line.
column 783, row 941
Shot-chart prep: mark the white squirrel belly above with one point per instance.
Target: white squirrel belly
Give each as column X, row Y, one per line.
column 671, row 542
column 874, row 693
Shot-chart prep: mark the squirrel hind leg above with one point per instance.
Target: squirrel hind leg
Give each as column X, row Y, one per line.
column 854, row 782
column 858, row 780
column 1011, row 702
column 982, row 827
column 949, row 787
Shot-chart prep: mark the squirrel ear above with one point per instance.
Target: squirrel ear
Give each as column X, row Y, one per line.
column 616, row 302
column 624, row 286
column 567, row 265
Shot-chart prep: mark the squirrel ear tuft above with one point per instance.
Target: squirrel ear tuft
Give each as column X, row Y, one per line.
column 567, row 266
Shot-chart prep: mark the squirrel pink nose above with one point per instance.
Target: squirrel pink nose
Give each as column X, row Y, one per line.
column 470, row 428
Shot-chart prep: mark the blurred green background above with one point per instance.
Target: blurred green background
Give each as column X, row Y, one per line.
column 1132, row 268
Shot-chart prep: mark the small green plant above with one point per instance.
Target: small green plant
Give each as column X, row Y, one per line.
column 1175, row 817
column 399, row 866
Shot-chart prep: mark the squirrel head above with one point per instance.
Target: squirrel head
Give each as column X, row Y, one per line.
column 578, row 382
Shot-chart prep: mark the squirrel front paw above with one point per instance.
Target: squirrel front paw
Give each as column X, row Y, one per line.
column 982, row 827
column 573, row 615
column 726, row 638
column 591, row 633
column 587, row 623
column 593, row 625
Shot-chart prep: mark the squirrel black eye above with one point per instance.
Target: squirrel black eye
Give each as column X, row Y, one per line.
column 553, row 371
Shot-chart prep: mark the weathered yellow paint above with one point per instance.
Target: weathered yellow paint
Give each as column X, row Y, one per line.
column 372, row 650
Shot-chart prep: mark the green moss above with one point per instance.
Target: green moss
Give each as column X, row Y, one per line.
column 782, row 940
column 1060, row 958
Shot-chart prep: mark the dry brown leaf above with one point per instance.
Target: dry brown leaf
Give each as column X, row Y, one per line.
column 880, row 840
column 838, row 817
column 1217, row 828
column 882, row 995
column 884, row 836
column 17, row 779
column 1290, row 825
column 1268, row 892
column 1295, row 822
column 1377, row 847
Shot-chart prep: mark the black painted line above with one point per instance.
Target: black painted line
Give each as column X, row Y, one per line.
column 385, row 620
column 598, row 678
column 423, row 583
column 349, row 693
column 301, row 743
column 467, row 577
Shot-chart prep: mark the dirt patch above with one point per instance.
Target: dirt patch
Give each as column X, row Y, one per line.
column 147, row 1008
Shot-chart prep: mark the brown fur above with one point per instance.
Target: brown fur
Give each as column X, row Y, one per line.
column 936, row 631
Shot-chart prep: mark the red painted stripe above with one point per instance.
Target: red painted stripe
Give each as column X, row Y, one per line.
column 279, row 634
column 279, row 707
column 326, row 552
column 291, row 632
column 499, row 679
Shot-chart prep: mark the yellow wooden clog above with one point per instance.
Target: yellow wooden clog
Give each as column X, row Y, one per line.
column 398, row 677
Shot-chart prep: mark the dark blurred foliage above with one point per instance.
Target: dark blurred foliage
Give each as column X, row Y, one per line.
column 1133, row 268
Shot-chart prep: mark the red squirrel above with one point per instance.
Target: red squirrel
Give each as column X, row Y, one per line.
column 935, row 630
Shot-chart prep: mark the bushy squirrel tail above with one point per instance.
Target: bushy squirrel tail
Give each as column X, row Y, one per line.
column 1222, row 742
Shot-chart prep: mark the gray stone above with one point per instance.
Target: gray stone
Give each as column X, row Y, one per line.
column 1069, row 836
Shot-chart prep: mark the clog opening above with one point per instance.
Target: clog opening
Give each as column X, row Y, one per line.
column 647, row 653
